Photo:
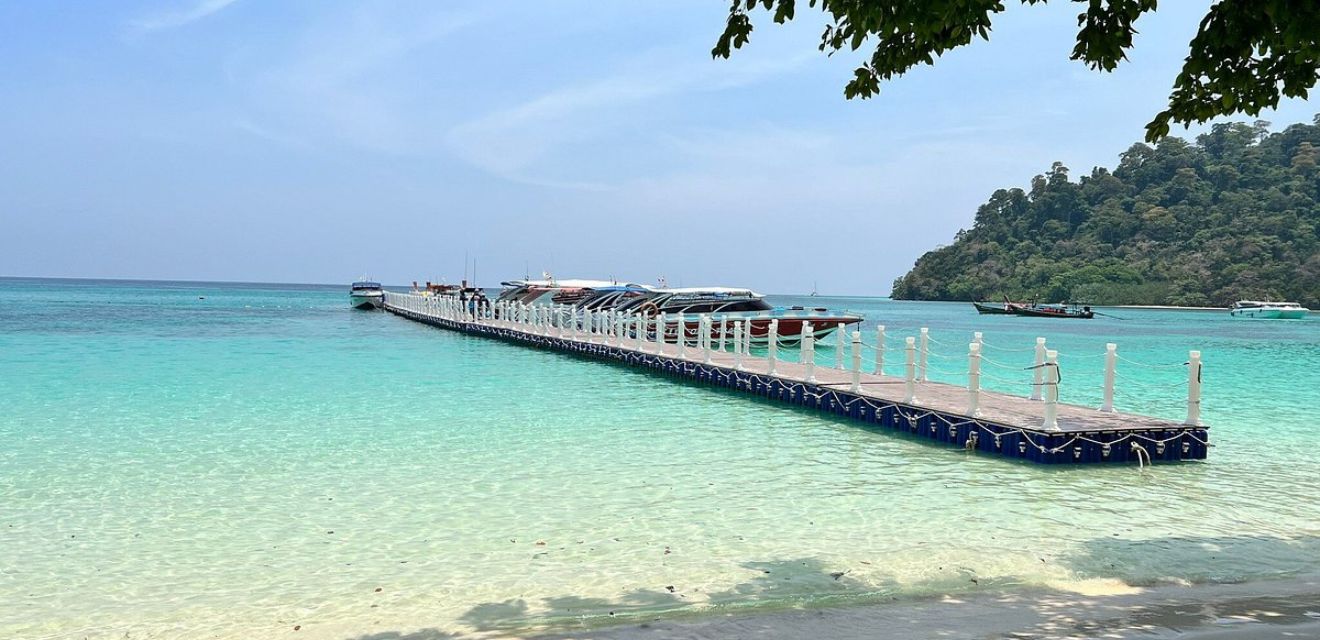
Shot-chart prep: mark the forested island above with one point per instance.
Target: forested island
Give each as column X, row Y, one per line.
column 1233, row 216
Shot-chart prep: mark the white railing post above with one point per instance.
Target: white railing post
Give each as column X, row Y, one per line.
column 772, row 345
column 925, row 353
column 706, row 325
column 840, row 334
column 880, row 350
column 1038, row 377
column 738, row 345
column 681, row 334
column 856, row 361
column 724, row 329
column 809, row 352
column 1052, row 390
column 974, row 379
column 1111, row 364
column 1193, row 389
column 661, row 327
column 910, row 372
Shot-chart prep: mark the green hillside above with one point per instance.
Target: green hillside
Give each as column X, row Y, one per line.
column 1233, row 216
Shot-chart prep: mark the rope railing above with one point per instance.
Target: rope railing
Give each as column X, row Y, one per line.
column 1152, row 366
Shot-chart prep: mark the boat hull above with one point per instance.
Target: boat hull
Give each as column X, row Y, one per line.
column 1269, row 314
column 992, row 310
column 790, row 328
column 1033, row 313
column 366, row 301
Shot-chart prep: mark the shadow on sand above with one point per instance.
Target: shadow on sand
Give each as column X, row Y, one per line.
column 773, row 602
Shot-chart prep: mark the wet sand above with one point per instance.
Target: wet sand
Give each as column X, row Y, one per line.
column 1256, row 611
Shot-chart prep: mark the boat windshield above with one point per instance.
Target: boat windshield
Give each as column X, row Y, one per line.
column 365, row 285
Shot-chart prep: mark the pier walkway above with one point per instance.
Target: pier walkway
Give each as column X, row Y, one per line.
column 1037, row 430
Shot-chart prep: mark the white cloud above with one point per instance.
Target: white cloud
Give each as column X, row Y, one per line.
column 513, row 141
column 346, row 79
column 179, row 18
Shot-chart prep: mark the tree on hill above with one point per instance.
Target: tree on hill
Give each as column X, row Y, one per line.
column 1236, row 215
column 1246, row 55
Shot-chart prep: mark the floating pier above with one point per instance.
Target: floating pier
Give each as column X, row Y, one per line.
column 1038, row 428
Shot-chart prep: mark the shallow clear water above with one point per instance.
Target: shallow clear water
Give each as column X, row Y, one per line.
column 264, row 457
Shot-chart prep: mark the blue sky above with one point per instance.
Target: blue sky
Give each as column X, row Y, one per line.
column 316, row 141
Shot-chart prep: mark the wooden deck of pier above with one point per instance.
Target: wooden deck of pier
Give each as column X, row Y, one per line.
column 1007, row 425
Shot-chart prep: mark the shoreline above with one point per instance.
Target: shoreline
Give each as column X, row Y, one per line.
column 1286, row 608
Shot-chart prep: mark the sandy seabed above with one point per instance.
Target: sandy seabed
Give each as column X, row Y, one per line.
column 1259, row 610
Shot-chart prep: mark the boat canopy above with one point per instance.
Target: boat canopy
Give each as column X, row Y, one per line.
column 364, row 284
column 571, row 284
column 1250, row 304
column 711, row 292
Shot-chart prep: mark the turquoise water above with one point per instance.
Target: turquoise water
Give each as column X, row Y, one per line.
column 265, row 458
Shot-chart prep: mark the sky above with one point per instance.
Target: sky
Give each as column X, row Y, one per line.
column 323, row 140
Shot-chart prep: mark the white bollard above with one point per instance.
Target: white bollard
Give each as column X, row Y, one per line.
column 1052, row 390
column 974, row 379
column 809, row 352
column 977, row 337
column 772, row 345
column 1111, row 364
column 1038, row 378
column 880, row 350
column 724, row 329
column 738, row 345
column 1193, row 389
column 840, row 334
column 856, row 361
column 910, row 374
column 638, row 328
column 925, row 353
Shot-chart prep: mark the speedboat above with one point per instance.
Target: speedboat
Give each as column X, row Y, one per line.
column 367, row 295
column 1268, row 310
column 722, row 304
column 729, row 305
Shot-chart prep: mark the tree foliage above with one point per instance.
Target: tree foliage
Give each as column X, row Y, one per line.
column 1246, row 55
column 1234, row 216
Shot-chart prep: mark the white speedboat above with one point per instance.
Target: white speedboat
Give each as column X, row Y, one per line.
column 367, row 295
column 1268, row 310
